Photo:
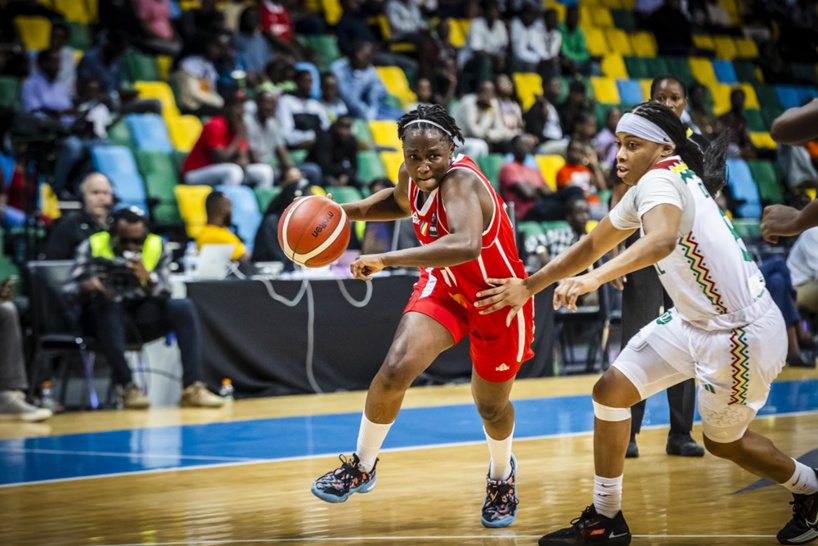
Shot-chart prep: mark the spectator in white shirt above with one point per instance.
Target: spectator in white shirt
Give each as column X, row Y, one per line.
column 301, row 116
column 405, row 20
column 197, row 77
column 486, row 46
column 534, row 48
column 803, row 265
column 479, row 117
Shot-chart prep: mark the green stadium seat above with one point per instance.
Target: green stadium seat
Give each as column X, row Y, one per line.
column 370, row 166
column 623, row 19
column 657, row 66
column 638, row 68
column 745, row 70
column 9, row 91
column 345, row 194
column 529, row 229
column 767, row 96
column 80, row 36
column 299, row 156
column 601, row 112
column 325, row 47
column 120, row 135
column 551, row 226
column 490, row 165
column 804, row 71
column 362, row 132
column 755, row 121
column 179, row 158
column 162, row 199
column 140, row 67
column 769, row 115
column 769, row 188
column 265, row 196
column 7, row 268
column 747, row 228
column 156, row 162
column 680, row 68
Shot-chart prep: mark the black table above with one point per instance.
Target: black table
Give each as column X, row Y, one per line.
column 322, row 341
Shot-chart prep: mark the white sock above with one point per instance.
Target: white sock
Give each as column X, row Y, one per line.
column 608, row 495
column 370, row 438
column 803, row 481
column 500, row 452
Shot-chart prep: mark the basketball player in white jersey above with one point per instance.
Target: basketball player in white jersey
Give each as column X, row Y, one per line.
column 724, row 330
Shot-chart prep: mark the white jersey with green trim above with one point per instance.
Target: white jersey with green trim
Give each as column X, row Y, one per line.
column 710, row 276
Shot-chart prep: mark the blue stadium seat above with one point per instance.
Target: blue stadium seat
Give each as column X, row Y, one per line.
column 630, row 91
column 743, row 188
column 246, row 216
column 788, row 95
column 149, row 132
column 7, row 166
column 118, row 164
column 725, row 72
column 806, row 94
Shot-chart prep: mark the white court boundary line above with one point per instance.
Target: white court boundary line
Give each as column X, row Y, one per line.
column 301, row 458
column 442, row 538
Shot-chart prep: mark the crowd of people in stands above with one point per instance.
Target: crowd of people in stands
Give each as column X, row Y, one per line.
column 271, row 118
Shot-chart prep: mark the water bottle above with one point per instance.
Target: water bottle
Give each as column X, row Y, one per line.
column 226, row 391
column 191, row 259
column 47, row 397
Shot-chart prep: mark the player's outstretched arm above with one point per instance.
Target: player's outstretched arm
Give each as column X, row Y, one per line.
column 515, row 292
column 385, row 205
column 796, row 126
column 780, row 221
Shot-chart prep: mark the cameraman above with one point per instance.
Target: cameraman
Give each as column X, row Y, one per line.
column 120, row 277
column 72, row 229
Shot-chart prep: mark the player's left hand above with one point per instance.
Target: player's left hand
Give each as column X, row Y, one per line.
column 779, row 221
column 571, row 289
column 507, row 293
column 365, row 266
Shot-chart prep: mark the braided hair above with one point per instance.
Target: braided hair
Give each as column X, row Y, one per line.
column 709, row 165
column 434, row 113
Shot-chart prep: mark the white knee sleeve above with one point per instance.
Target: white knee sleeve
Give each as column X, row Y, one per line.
column 607, row 413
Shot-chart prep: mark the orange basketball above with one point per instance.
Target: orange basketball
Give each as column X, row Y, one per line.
column 313, row 231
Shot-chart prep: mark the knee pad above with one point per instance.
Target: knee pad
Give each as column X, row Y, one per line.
column 607, row 413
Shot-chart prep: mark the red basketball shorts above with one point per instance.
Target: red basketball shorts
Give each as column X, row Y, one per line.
column 497, row 351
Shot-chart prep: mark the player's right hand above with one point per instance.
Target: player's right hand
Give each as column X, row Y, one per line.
column 365, row 266
column 779, row 221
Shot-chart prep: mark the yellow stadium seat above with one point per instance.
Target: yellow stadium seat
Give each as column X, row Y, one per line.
column 721, row 97
column 725, row 47
column 585, row 17
column 613, row 66
column 702, row 70
column 763, row 140
column 458, row 30
column 332, row 11
column 396, row 83
column 73, row 10
column 645, row 84
column 550, row 3
column 605, row 90
column 163, row 64
column 385, row 133
column 704, row 41
column 549, row 166
column 528, row 85
column 392, row 161
column 590, row 225
column 751, row 100
column 161, row 92
column 35, row 32
column 733, row 9
column 184, row 131
column 618, row 41
column 747, row 48
column 602, row 17
column 644, row 44
column 191, row 200
column 595, row 40
column 93, row 10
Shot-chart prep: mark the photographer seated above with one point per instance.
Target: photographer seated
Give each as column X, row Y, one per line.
column 72, row 229
column 120, row 277
column 217, row 230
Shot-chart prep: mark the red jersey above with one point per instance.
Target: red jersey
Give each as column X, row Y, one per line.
column 215, row 135
column 498, row 259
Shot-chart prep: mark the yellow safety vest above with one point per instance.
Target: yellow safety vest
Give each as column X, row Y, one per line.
column 151, row 249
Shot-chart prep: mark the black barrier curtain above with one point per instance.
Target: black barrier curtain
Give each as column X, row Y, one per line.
column 307, row 336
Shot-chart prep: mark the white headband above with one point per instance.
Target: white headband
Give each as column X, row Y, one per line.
column 642, row 128
column 432, row 123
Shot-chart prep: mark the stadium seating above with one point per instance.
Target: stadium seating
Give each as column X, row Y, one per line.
column 246, row 215
column 725, row 71
column 9, row 91
column 385, row 134
column 743, row 189
column 265, row 196
column 490, row 165
column 630, row 92
column 529, row 86
column 191, row 201
column 549, row 165
column 396, row 83
column 769, row 188
column 161, row 92
column 149, row 132
column 613, row 66
column 345, row 194
column 605, row 90
column 35, row 32
column 370, row 166
column 184, row 132
column 392, row 162
column 117, row 163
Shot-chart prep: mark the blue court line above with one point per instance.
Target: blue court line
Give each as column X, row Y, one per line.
column 163, row 448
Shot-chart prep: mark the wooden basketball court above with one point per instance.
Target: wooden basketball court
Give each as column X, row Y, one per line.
column 56, row 491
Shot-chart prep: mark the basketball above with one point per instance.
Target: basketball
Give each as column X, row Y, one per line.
column 313, row 231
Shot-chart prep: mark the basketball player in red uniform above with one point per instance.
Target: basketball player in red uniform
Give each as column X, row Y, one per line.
column 466, row 238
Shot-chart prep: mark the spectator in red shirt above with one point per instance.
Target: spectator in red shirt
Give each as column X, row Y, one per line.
column 582, row 169
column 522, row 185
column 221, row 155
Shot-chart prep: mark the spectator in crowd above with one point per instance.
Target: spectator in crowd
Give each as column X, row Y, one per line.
column 197, row 78
column 216, row 231
column 13, row 381
column 523, row 185
column 585, row 128
column 557, row 241
column 232, row 11
column 577, row 101
column 353, row 28
column 104, row 63
column 423, row 92
column 486, row 47
column 277, row 25
column 509, row 107
column 606, row 139
column 252, row 50
column 111, row 298
column 582, row 170
column 331, row 97
column 736, row 123
column 643, row 9
column 301, row 117
column 672, row 92
column 703, row 120
column 72, row 229
column 444, row 82
column 336, row 152
column 543, row 120
column 206, row 20
column 13, row 58
column 797, row 166
column 221, row 154
column 672, row 25
column 280, row 75
column 779, row 283
column 407, row 24
column 361, row 86
column 479, row 117
column 534, row 48
column 94, row 116
column 803, row 265
column 60, row 40
column 574, row 54
column 158, row 36
column 444, row 49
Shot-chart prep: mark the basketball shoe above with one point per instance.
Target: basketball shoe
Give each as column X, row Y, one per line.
column 500, row 507
column 337, row 485
column 591, row 528
column 803, row 527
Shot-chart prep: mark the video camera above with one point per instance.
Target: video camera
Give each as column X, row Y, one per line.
column 116, row 275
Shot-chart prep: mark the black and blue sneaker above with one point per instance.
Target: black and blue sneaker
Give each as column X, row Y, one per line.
column 337, row 485
column 591, row 528
column 500, row 507
column 803, row 527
